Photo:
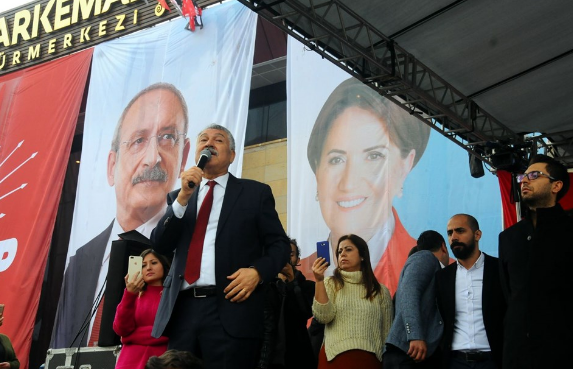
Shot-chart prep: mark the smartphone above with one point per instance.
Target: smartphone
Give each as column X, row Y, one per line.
column 1, row 309
column 134, row 266
column 323, row 250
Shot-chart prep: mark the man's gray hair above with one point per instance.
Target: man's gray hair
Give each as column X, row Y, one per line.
column 221, row 128
column 156, row 86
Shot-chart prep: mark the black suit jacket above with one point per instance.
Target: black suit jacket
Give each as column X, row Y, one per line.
column 78, row 291
column 493, row 306
column 249, row 233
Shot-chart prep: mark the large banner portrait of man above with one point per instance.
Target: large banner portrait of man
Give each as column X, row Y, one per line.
column 150, row 94
column 368, row 167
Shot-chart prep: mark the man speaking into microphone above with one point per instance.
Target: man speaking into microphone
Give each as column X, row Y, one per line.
column 228, row 239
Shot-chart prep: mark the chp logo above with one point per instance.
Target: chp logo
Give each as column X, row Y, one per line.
column 9, row 247
column 8, row 250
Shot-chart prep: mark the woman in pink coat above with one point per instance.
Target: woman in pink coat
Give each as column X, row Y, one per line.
column 136, row 313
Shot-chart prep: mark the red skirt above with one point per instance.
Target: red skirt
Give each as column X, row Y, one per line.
column 349, row 359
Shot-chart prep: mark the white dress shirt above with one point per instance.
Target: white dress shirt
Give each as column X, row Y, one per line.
column 469, row 330
column 207, row 273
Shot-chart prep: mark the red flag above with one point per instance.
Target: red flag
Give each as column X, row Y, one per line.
column 189, row 11
column 164, row 4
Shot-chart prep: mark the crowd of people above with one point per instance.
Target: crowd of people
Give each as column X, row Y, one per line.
column 221, row 287
column 446, row 313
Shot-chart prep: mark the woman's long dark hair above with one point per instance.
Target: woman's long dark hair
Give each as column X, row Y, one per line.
column 162, row 259
column 368, row 278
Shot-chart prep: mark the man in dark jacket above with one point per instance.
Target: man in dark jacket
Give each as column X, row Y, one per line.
column 535, row 260
column 213, row 298
column 470, row 300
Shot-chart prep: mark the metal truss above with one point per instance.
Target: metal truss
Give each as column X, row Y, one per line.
column 338, row 34
column 558, row 145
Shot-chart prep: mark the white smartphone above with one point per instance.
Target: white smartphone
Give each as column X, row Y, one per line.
column 134, row 266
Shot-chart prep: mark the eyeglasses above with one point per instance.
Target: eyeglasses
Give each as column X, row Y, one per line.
column 534, row 174
column 165, row 142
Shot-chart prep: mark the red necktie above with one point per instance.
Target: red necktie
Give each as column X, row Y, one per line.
column 193, row 266
column 94, row 336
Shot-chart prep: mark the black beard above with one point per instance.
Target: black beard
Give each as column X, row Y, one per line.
column 465, row 251
column 542, row 198
column 537, row 201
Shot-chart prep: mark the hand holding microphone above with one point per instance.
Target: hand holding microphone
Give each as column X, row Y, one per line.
column 204, row 157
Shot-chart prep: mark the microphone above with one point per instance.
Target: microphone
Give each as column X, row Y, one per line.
column 204, row 157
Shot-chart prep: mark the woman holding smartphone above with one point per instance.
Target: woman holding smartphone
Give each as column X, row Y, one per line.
column 356, row 310
column 136, row 312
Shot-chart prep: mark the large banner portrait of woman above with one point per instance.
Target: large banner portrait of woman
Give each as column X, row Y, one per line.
column 359, row 163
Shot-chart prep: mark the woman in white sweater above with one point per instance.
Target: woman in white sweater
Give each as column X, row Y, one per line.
column 355, row 308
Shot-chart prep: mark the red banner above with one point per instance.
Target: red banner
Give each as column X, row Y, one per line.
column 507, row 198
column 39, row 109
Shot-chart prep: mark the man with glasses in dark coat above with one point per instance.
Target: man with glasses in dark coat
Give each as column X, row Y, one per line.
column 535, row 260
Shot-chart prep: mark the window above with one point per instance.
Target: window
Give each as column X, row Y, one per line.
column 267, row 120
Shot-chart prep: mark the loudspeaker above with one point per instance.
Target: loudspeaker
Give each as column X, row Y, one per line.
column 131, row 243
column 476, row 167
